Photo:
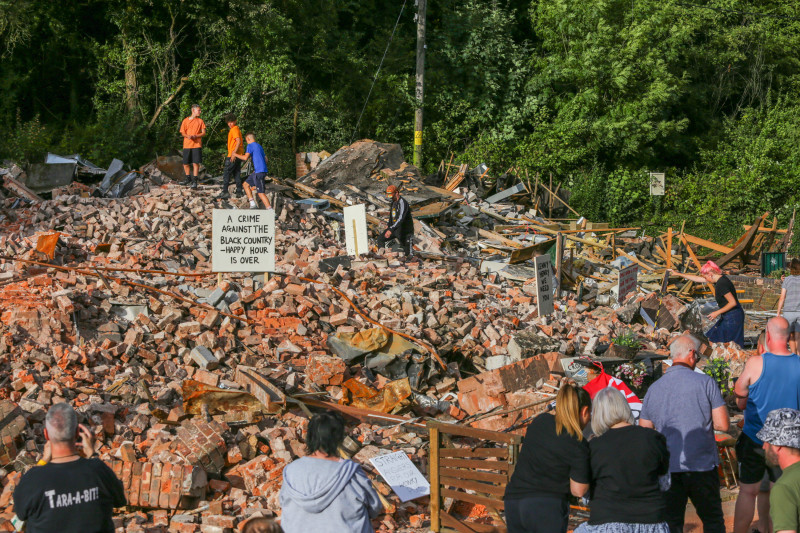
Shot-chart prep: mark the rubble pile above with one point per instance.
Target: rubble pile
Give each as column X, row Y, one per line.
column 199, row 387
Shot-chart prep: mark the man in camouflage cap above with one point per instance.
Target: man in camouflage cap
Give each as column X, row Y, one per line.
column 781, row 437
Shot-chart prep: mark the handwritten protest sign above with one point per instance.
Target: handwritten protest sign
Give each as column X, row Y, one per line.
column 544, row 285
column 627, row 282
column 243, row 241
column 401, row 474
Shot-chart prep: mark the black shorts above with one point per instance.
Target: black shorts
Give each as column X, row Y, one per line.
column 752, row 462
column 192, row 155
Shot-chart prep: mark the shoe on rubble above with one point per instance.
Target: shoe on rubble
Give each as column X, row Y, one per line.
column 252, row 204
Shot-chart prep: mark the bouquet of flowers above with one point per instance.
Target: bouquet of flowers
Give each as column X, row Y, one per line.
column 633, row 374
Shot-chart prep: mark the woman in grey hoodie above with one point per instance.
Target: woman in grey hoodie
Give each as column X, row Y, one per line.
column 322, row 493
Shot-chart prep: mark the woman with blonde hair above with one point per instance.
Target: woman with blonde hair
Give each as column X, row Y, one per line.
column 789, row 302
column 553, row 463
column 628, row 463
column 730, row 326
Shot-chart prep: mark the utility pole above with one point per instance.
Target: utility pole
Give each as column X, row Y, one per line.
column 420, row 92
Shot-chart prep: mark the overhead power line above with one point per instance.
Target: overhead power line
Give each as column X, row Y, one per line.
column 355, row 131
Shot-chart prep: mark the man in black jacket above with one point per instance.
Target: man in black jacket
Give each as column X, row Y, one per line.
column 401, row 225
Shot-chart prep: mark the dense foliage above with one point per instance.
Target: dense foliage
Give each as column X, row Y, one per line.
column 592, row 92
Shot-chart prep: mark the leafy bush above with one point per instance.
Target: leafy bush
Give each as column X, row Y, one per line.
column 720, row 370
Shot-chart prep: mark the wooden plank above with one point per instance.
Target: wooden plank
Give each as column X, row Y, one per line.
column 473, row 475
column 669, row 248
column 523, row 254
column 763, row 229
column 473, row 498
column 694, row 259
column 557, row 198
column 497, row 237
column 456, row 524
column 559, row 259
column 433, row 469
column 316, row 193
column 622, row 252
column 744, row 243
column 472, row 527
column 464, row 431
column 477, row 486
column 707, row 244
column 469, row 453
column 19, row 188
column 476, row 464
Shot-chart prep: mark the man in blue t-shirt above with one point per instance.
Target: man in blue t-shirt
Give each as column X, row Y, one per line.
column 256, row 179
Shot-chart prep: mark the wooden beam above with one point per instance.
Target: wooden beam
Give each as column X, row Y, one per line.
column 497, row 237
column 744, row 243
column 694, row 259
column 559, row 199
column 433, row 468
column 622, row 252
column 707, row 244
column 669, row 248
column 763, row 229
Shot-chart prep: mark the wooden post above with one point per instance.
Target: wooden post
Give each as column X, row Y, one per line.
column 669, row 248
column 355, row 238
column 559, row 257
column 433, row 467
column 614, row 245
column 420, row 88
column 219, row 278
column 550, row 203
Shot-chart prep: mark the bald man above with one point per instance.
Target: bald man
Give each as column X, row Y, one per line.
column 686, row 407
column 769, row 381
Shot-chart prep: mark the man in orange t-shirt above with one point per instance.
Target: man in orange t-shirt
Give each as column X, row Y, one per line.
column 233, row 165
column 192, row 129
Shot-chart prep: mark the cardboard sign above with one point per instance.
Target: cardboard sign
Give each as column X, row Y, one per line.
column 544, row 285
column 355, row 229
column 657, row 183
column 401, row 474
column 627, row 282
column 243, row 241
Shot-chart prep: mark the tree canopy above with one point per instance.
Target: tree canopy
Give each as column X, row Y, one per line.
column 592, row 92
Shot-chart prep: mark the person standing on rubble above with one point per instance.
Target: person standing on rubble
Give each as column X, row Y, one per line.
column 686, row 407
column 553, row 463
column 192, row 130
column 629, row 467
column 323, row 493
column 233, row 165
column 255, row 180
column 70, row 492
column 401, row 224
column 730, row 326
column 768, row 382
column 789, row 302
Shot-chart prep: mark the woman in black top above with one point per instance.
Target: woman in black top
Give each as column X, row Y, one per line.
column 553, row 463
column 627, row 465
column 730, row 326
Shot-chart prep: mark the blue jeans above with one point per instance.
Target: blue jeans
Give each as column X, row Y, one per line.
column 729, row 327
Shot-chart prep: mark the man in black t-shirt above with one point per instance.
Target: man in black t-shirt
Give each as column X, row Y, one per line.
column 70, row 493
